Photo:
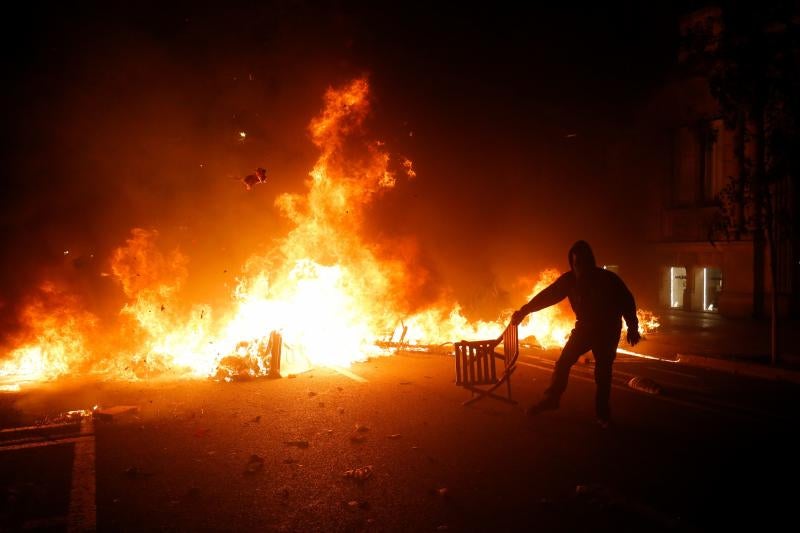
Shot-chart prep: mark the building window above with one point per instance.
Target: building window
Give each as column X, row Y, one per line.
column 687, row 167
column 702, row 160
column 716, row 163
column 677, row 286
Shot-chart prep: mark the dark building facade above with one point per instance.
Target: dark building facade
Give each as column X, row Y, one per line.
column 698, row 266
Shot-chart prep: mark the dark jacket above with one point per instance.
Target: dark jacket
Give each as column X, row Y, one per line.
column 599, row 299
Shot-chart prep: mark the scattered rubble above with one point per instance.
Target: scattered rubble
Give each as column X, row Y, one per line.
column 355, row 504
column 67, row 417
column 299, row 443
column 108, row 414
column 357, row 438
column 646, row 385
column 359, row 474
column 254, row 465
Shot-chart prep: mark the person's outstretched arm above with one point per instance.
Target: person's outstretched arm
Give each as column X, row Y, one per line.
column 550, row 295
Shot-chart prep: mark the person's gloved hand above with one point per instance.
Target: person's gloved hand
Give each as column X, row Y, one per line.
column 633, row 336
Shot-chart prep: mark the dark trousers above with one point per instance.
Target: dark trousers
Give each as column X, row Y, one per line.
column 604, row 348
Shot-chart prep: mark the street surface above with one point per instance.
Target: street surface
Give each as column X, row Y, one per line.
column 712, row 450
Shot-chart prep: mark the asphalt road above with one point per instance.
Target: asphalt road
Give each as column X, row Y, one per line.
column 712, row 450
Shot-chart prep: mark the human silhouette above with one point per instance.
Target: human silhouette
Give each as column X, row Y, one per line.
column 599, row 299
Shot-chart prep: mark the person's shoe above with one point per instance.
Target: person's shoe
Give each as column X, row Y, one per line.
column 547, row 404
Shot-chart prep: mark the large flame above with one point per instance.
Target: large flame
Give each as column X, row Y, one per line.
column 332, row 295
column 54, row 340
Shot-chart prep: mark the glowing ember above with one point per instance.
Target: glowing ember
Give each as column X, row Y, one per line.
column 329, row 292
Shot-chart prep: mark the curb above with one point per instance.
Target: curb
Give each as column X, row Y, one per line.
column 759, row 371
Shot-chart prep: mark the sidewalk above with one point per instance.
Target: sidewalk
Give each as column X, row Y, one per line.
column 732, row 345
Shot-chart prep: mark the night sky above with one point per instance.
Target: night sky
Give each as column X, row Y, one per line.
column 520, row 123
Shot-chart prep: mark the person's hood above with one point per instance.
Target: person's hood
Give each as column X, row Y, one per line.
column 583, row 252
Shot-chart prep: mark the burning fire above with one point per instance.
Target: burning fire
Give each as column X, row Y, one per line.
column 329, row 292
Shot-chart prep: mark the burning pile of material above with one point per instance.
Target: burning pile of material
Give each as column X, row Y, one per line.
column 329, row 292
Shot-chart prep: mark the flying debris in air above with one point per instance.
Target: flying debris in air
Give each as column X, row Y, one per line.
column 254, row 179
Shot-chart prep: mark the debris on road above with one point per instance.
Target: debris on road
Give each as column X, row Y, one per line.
column 67, row 417
column 646, row 385
column 111, row 413
column 355, row 504
column 299, row 443
column 359, row 474
column 357, row 438
column 254, row 465
column 311, row 394
column 394, row 436
column 361, row 428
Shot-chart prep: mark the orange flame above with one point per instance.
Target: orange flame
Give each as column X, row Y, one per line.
column 323, row 286
column 54, row 337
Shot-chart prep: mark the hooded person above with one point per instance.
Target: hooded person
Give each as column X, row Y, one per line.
column 600, row 299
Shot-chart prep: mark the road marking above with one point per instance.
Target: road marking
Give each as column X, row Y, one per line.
column 37, row 429
column 39, row 444
column 345, row 372
column 82, row 514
